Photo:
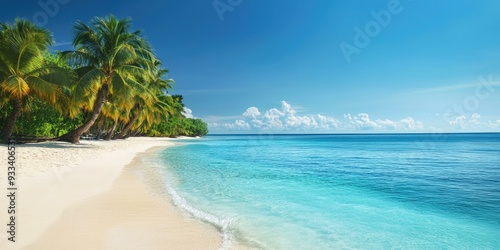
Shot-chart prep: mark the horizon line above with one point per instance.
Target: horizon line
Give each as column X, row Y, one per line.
column 402, row 133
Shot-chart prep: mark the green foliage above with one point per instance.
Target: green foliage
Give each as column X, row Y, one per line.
column 194, row 127
column 176, row 124
column 40, row 120
column 179, row 126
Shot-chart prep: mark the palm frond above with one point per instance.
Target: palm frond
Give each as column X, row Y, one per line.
column 84, row 92
column 47, row 91
column 16, row 87
column 79, row 58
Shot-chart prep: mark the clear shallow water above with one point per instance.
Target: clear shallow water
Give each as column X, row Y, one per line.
column 343, row 191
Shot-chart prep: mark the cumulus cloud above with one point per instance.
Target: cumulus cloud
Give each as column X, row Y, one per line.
column 325, row 122
column 287, row 108
column 252, row 112
column 188, row 113
column 459, row 122
column 464, row 122
column 271, row 119
column 493, row 124
column 362, row 121
column 242, row 124
column 286, row 118
column 410, row 124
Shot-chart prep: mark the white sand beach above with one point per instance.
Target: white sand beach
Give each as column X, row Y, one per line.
column 87, row 196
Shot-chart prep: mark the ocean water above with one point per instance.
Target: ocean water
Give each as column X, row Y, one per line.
column 411, row 191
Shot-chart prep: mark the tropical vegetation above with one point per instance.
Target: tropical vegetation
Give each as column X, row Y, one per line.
column 111, row 86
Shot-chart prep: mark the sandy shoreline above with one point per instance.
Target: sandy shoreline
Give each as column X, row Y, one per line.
column 89, row 196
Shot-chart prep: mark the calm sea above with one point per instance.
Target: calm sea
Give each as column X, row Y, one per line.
column 406, row 191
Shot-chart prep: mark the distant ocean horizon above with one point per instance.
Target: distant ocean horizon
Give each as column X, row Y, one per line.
column 352, row 191
column 355, row 133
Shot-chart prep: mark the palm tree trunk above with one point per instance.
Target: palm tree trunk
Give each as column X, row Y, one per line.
column 11, row 120
column 100, row 124
column 136, row 131
column 125, row 130
column 74, row 136
column 132, row 133
column 111, row 132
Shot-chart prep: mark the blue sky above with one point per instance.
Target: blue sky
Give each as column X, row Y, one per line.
column 279, row 67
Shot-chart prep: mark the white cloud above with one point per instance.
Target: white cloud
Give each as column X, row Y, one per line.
column 459, row 122
column 462, row 122
column 474, row 120
column 188, row 113
column 272, row 119
column 241, row 124
column 410, row 124
column 493, row 124
column 301, row 121
column 327, row 122
column 287, row 108
column 362, row 121
column 287, row 119
column 387, row 124
column 276, row 119
column 252, row 112
column 280, row 119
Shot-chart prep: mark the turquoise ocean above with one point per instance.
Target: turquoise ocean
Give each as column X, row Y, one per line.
column 371, row 191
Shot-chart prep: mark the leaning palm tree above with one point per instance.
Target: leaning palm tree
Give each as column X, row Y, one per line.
column 146, row 99
column 23, row 70
column 161, row 111
column 107, row 58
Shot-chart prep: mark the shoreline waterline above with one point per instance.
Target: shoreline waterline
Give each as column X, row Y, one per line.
column 164, row 187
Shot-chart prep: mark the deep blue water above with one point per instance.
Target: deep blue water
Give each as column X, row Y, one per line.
column 418, row 191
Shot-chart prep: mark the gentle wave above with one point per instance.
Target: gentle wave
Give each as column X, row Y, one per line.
column 222, row 225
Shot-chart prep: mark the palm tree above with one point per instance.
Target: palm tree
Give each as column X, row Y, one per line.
column 162, row 111
column 107, row 58
column 146, row 99
column 23, row 70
